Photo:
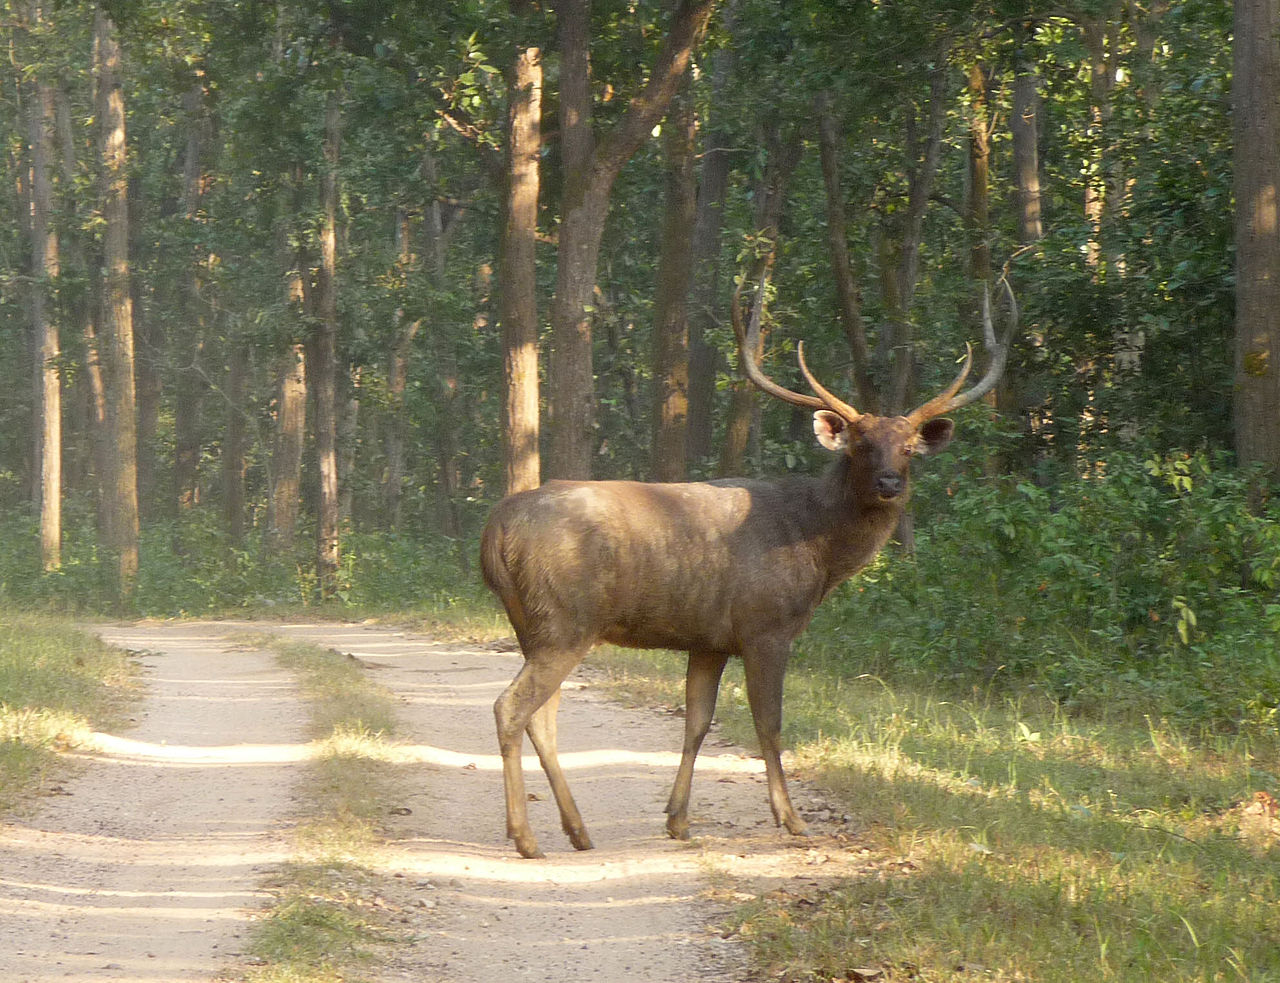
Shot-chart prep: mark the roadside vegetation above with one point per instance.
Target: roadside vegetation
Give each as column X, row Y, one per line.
column 326, row 923
column 56, row 685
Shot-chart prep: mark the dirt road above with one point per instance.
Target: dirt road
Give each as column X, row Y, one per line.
column 148, row 866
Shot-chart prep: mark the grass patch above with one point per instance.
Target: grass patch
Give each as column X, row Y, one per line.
column 57, row 683
column 328, row 922
column 1011, row 841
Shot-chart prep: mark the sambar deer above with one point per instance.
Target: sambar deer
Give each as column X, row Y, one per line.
column 713, row 568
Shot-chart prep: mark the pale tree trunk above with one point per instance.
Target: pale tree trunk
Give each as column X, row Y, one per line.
column 1100, row 36
column 44, row 273
column 406, row 329
column 517, row 293
column 1026, row 154
column 671, row 301
column 286, row 455
column 348, row 435
column 783, row 156
column 324, row 362
column 190, row 341
column 234, row 444
column 1256, row 105
column 590, row 168
column 850, row 304
column 121, row 496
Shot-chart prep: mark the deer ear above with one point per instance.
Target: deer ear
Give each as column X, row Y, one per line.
column 831, row 429
column 935, row 435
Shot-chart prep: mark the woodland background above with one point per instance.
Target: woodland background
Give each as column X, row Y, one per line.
column 293, row 292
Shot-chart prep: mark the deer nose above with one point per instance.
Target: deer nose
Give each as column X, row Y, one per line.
column 889, row 484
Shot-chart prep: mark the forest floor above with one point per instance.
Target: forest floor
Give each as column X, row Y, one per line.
column 150, row 862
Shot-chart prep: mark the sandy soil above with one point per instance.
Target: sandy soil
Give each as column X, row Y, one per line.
column 148, row 864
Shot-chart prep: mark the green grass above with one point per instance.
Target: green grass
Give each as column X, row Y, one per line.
column 1010, row 841
column 56, row 684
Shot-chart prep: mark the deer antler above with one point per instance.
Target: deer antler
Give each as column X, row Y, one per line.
column 749, row 341
column 948, row 401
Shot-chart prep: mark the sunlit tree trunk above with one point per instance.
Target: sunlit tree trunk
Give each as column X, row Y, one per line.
column 121, row 494
column 44, row 274
column 406, row 329
column 290, row 433
column 324, row 364
column 1256, row 98
column 1026, row 155
column 517, row 290
column 671, row 301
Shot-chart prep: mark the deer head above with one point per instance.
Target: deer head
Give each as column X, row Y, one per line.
column 881, row 446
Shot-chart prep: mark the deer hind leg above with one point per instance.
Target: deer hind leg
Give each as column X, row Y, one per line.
column 702, row 683
column 764, row 666
column 542, row 733
column 536, row 682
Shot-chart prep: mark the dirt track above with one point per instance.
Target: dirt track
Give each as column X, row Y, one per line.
column 148, row 865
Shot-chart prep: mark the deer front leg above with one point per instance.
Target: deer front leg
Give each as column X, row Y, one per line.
column 702, row 683
column 764, row 666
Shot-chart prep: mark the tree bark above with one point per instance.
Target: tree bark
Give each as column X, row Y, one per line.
column 1256, row 98
column 45, row 269
column 848, row 300
column 325, row 358
column 121, row 494
column 589, row 172
column 286, row 456
column 783, row 156
column 406, row 329
column 705, row 303
column 235, row 444
column 671, row 302
column 517, row 292
column 1024, row 125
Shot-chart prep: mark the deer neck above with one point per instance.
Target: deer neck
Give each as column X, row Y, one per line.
column 854, row 526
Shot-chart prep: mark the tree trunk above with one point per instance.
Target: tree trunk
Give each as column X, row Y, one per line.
column 190, row 342
column 325, row 358
column 900, row 244
column 1256, row 99
column 121, row 493
column 671, row 303
column 783, row 156
column 406, row 329
column 44, row 273
column 1026, row 154
column 589, row 172
column 850, row 304
column 517, row 292
column 234, row 444
column 286, row 456
column 705, row 300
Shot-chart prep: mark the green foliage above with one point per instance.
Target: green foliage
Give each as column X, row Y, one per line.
column 1150, row 586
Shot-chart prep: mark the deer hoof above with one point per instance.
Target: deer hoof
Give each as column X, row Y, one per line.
column 677, row 829
column 796, row 826
column 527, row 847
column 579, row 839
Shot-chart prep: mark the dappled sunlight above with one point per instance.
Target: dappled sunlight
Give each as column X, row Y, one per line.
column 127, row 750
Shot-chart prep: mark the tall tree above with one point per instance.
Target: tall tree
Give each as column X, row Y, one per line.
column 324, row 362
column 1256, row 98
column 590, row 167
column 518, row 289
column 121, row 487
column 671, row 300
column 44, row 275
